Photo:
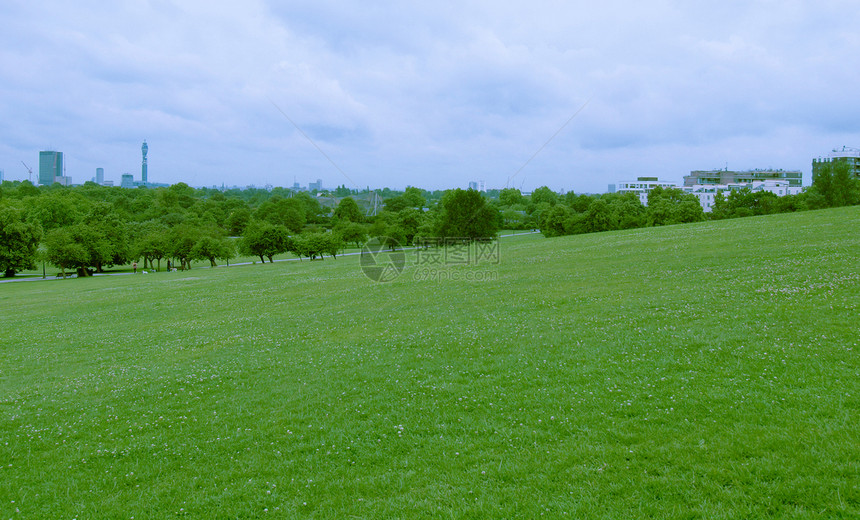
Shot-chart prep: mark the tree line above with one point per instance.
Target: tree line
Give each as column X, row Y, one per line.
column 92, row 228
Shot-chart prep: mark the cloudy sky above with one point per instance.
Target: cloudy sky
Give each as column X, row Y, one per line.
column 428, row 94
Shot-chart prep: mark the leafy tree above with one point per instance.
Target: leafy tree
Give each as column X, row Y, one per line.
column 578, row 203
column 599, row 217
column 56, row 209
column 290, row 213
column 553, row 221
column 152, row 245
column 835, row 186
column 388, row 229
column 409, row 220
column 544, row 195
column 211, row 248
column 65, row 251
column 112, row 234
column 348, row 211
column 352, row 232
column 342, row 191
column 238, row 221
column 510, row 197
column 672, row 206
column 19, row 241
column 414, row 198
column 181, row 240
column 465, row 214
column 313, row 245
column 395, row 204
column 264, row 240
column 628, row 211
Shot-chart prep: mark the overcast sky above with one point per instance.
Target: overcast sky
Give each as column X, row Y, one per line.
column 429, row 94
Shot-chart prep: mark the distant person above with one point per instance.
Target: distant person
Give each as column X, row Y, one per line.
column 134, row 266
column 168, row 266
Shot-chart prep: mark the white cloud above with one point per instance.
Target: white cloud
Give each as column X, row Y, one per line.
column 425, row 93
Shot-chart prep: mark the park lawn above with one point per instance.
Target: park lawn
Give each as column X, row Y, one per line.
column 697, row 371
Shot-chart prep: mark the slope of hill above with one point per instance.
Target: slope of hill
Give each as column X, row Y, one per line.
column 707, row 370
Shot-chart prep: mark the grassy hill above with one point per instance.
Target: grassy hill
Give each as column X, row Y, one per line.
column 706, row 370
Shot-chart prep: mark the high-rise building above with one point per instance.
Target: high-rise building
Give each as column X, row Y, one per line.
column 844, row 154
column 50, row 167
column 127, row 181
column 100, row 176
column 143, row 150
column 1, row 175
column 315, row 185
column 725, row 177
column 476, row 185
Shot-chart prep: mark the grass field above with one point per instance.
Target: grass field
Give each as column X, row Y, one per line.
column 698, row 371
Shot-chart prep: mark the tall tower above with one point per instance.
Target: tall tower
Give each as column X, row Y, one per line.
column 143, row 150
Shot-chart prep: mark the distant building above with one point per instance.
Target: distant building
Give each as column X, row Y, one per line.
column 1, row 175
column 50, row 167
column 845, row 154
column 641, row 186
column 100, row 176
column 127, row 181
column 477, row 185
column 315, row 185
column 707, row 192
column 727, row 177
column 611, row 188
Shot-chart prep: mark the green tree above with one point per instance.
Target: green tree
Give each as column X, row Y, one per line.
column 152, row 245
column 19, row 241
column 466, row 214
column 348, row 211
column 112, row 234
column 63, row 250
column 553, row 221
column 672, row 206
column 264, row 240
column 238, row 220
column 352, row 232
column 544, row 195
column 290, row 213
column 388, row 229
column 211, row 248
column 599, row 217
column 510, row 197
column 414, row 198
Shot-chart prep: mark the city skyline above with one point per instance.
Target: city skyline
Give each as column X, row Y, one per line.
column 568, row 95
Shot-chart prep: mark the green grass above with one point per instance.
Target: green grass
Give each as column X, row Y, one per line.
column 697, row 371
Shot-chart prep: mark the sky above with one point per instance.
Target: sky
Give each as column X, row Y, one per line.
column 572, row 95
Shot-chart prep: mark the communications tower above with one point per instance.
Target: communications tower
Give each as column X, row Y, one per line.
column 143, row 149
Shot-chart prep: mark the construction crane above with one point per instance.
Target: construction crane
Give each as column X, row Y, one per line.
column 29, row 170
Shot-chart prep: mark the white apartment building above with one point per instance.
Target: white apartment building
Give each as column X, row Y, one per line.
column 641, row 186
column 707, row 192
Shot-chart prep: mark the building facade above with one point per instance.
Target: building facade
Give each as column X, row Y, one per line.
column 845, row 154
column 707, row 192
column 728, row 177
column 50, row 167
column 641, row 186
